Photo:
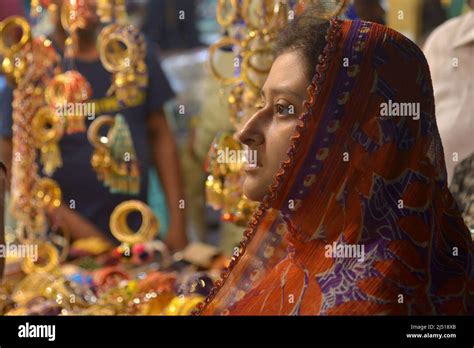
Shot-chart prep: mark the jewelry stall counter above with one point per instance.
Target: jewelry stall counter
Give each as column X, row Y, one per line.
column 139, row 277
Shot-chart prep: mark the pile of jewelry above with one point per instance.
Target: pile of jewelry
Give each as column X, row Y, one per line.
column 89, row 277
column 139, row 277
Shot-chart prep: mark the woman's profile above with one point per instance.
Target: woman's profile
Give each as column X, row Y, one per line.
column 355, row 215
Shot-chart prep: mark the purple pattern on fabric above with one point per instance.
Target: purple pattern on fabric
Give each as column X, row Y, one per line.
column 337, row 285
column 334, row 111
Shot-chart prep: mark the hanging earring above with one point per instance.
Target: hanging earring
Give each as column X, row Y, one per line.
column 64, row 93
column 224, row 181
column 100, row 159
column 114, row 158
column 122, row 51
column 48, row 129
column 67, row 92
column 125, row 176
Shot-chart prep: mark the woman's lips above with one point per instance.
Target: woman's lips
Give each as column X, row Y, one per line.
column 252, row 167
column 252, row 161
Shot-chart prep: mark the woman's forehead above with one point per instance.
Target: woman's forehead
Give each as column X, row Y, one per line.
column 287, row 76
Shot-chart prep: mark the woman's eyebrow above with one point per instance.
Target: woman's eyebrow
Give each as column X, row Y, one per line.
column 282, row 90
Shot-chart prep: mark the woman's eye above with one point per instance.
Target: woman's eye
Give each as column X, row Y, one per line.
column 284, row 110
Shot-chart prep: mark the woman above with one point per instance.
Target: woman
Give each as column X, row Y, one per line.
column 357, row 219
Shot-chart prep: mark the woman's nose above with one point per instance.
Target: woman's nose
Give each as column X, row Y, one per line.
column 251, row 133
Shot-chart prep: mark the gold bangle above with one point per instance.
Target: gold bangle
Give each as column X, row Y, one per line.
column 70, row 86
column 225, row 41
column 116, row 47
column 246, row 6
column 27, row 234
column 48, row 193
column 47, row 249
column 119, row 226
column 31, row 286
column 256, row 44
column 45, row 117
column 94, row 129
column 225, row 21
column 22, row 23
column 56, row 91
column 65, row 16
column 246, row 67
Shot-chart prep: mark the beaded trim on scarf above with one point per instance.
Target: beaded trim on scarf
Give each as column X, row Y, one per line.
column 313, row 90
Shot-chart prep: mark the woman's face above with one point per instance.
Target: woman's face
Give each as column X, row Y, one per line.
column 268, row 132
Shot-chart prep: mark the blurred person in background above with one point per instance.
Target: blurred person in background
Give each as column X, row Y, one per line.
column 368, row 10
column 462, row 188
column 172, row 24
column 153, row 141
column 450, row 54
column 449, row 51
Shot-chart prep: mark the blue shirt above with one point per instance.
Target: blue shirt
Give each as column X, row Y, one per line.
column 78, row 181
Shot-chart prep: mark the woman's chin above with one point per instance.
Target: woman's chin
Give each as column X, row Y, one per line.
column 254, row 189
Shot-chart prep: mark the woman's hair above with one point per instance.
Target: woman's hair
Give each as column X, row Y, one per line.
column 306, row 34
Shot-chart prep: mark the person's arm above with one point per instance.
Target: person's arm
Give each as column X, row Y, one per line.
column 64, row 217
column 6, row 158
column 77, row 226
column 165, row 157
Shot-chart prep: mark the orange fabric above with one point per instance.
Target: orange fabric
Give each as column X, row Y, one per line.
column 374, row 229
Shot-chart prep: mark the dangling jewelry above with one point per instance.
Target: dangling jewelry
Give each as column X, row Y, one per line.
column 47, row 197
column 114, row 158
column 48, row 129
column 125, row 176
column 16, row 52
column 224, row 181
column 64, row 93
column 122, row 52
column 45, row 250
column 100, row 159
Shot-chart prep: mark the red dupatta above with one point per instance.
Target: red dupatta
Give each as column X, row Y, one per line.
column 359, row 181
